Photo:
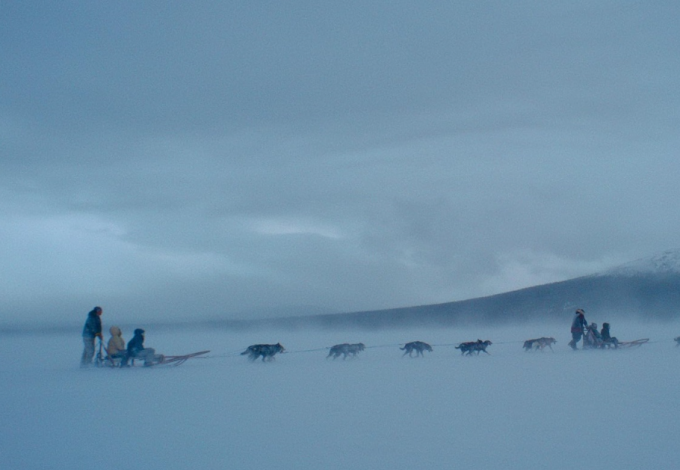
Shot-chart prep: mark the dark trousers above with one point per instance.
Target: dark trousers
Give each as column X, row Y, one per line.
column 88, row 352
column 575, row 338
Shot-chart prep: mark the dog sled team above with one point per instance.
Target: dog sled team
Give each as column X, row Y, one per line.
column 580, row 330
column 118, row 354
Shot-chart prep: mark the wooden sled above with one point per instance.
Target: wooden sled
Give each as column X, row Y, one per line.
column 106, row 361
column 177, row 360
column 631, row 344
column 590, row 341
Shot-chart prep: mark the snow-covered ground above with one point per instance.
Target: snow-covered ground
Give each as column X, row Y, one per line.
column 507, row 410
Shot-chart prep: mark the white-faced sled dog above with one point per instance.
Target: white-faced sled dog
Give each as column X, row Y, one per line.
column 469, row 347
column 539, row 343
column 415, row 346
column 267, row 351
column 345, row 349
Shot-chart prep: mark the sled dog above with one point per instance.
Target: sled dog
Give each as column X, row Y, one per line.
column 469, row 347
column 345, row 349
column 542, row 343
column 539, row 343
column 415, row 346
column 267, row 351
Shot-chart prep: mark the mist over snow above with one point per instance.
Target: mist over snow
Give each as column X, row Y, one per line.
column 507, row 410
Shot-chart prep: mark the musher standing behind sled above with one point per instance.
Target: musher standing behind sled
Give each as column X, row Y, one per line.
column 577, row 328
column 91, row 330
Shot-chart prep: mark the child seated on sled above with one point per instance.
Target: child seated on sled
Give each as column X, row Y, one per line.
column 136, row 350
column 607, row 339
column 115, row 349
column 592, row 338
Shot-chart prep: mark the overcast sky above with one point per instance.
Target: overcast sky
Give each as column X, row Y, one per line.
column 239, row 159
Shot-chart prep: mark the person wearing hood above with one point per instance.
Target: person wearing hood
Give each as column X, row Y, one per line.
column 91, row 330
column 116, row 345
column 607, row 337
column 136, row 350
column 592, row 337
column 578, row 327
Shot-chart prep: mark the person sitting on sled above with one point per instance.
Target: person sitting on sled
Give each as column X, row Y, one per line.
column 607, row 337
column 116, row 345
column 592, row 338
column 596, row 334
column 136, row 350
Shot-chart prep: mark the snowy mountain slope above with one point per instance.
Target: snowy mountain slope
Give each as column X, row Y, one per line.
column 667, row 262
column 648, row 288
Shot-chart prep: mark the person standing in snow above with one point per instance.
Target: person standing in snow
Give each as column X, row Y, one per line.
column 578, row 326
column 91, row 330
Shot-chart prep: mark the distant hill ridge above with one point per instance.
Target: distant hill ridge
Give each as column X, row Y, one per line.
column 642, row 289
column 667, row 262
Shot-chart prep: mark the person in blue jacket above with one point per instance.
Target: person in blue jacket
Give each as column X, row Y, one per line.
column 136, row 350
column 91, row 330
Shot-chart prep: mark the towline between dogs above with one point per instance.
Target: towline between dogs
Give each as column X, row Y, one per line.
column 235, row 353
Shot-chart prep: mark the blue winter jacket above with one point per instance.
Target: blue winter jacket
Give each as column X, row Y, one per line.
column 136, row 344
column 93, row 325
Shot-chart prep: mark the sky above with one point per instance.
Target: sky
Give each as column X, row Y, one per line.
column 249, row 159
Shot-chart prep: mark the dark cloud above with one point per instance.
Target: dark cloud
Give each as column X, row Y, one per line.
column 268, row 158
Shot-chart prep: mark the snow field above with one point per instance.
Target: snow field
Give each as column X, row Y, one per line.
column 508, row 410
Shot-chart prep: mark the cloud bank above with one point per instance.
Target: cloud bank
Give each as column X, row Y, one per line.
column 269, row 159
